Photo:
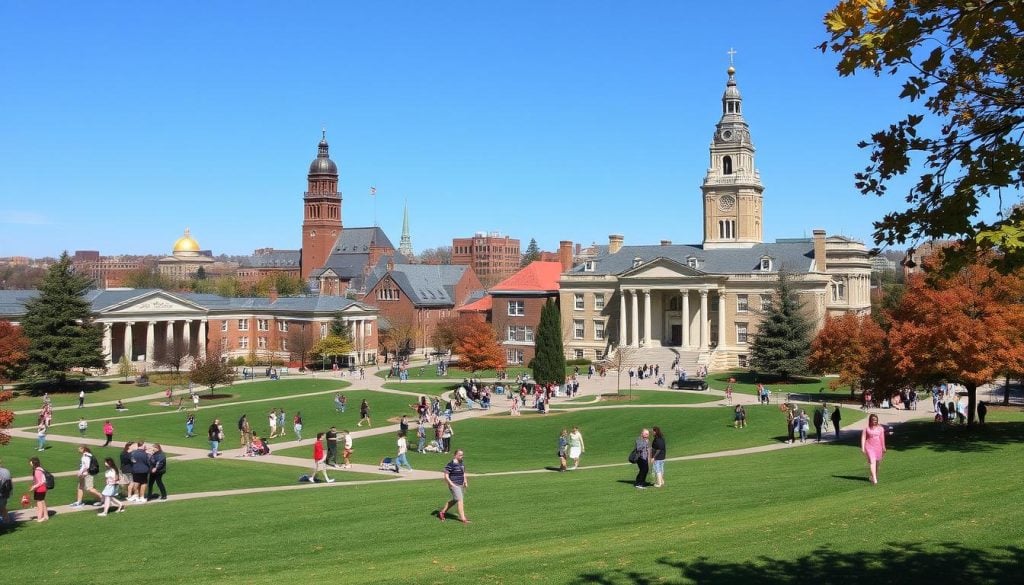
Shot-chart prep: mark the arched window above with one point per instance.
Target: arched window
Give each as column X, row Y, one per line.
column 675, row 303
column 726, row 165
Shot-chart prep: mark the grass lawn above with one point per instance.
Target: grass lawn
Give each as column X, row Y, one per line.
column 428, row 388
column 502, row 442
column 638, row 397
column 103, row 391
column 456, row 375
column 789, row 517
column 57, row 457
column 746, row 383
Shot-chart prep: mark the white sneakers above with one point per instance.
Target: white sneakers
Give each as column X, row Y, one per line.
column 330, row 480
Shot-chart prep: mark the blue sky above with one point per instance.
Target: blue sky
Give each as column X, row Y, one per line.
column 122, row 124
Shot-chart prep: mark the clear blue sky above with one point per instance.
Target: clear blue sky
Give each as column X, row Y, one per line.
column 124, row 123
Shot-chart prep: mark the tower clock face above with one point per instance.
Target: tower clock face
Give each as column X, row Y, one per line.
column 726, row 202
column 727, row 135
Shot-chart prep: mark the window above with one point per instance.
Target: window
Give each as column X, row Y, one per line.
column 284, row 345
column 520, row 333
column 743, row 360
column 598, row 301
column 578, row 303
column 766, row 264
column 691, row 262
column 261, row 342
column 369, row 328
column 514, row 356
column 262, row 324
column 224, row 344
column 838, row 290
column 243, row 324
column 727, row 164
column 588, row 266
column 741, row 333
column 598, row 330
column 516, row 308
column 388, row 294
column 243, row 343
column 282, row 326
column 577, row 328
column 577, row 354
column 223, row 325
column 727, row 229
column 323, row 330
column 598, row 354
column 741, row 303
column 766, row 302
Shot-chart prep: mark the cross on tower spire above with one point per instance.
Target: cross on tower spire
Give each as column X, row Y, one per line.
column 731, row 52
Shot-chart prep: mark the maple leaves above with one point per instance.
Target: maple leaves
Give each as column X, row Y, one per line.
column 477, row 346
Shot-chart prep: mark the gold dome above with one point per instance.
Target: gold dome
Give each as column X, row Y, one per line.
column 186, row 243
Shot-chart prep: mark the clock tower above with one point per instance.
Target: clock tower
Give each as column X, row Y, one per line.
column 321, row 220
column 732, row 187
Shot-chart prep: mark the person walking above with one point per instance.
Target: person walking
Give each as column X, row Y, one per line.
column 157, row 468
column 338, row 406
column 421, row 437
column 108, row 432
column 6, row 489
column 297, row 425
column 245, row 428
column 111, row 480
column 346, row 450
column 458, row 483
column 563, row 449
column 819, row 421
column 739, row 416
column 140, row 474
column 81, row 399
column 401, row 458
column 447, row 432
column 364, row 414
column 38, row 489
column 872, row 444
column 124, row 477
column 332, row 447
column 88, row 467
column 642, row 448
column 790, row 422
column 982, row 411
column 190, row 425
column 41, row 436
column 658, row 455
column 272, row 423
column 319, row 460
column 576, row 447
column 215, row 434
column 836, row 417
column 803, row 425
column 281, row 418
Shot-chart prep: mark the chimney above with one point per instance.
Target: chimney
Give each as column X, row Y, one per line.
column 565, row 254
column 391, row 263
column 615, row 243
column 819, row 250
column 666, row 242
column 273, row 294
column 579, row 248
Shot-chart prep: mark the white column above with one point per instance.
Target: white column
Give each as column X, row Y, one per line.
column 647, row 317
column 186, row 336
column 686, row 317
column 703, row 320
column 362, row 340
column 170, row 336
column 721, row 318
column 150, row 341
column 129, row 349
column 108, row 345
column 634, row 321
column 201, row 339
column 622, row 318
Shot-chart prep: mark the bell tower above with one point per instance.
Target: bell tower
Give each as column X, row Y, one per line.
column 732, row 187
column 321, row 220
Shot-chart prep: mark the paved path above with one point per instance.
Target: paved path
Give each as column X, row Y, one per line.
column 592, row 388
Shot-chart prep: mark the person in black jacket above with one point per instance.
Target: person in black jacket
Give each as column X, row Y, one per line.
column 157, row 468
column 140, row 473
column 836, row 417
column 819, row 420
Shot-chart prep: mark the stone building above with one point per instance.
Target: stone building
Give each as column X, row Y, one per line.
column 701, row 303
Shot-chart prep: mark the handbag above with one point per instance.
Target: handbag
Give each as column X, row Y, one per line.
column 633, row 456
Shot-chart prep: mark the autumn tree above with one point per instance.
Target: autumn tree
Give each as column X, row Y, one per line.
column 13, row 351
column 173, row 354
column 548, row 364
column 331, row 347
column 477, row 346
column 6, row 417
column 532, row 253
column 397, row 336
column 301, row 339
column 59, row 325
column 961, row 61
column 446, row 333
column 782, row 342
column 211, row 371
column 439, row 255
column 854, row 347
column 125, row 368
column 964, row 327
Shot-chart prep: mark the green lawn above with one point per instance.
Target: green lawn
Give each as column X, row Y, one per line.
column 423, row 372
column 746, row 383
column 789, row 517
column 104, row 391
column 638, row 397
column 428, row 388
column 57, row 457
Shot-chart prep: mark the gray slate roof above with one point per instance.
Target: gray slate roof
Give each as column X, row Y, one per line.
column 357, row 240
column 426, row 285
column 792, row 255
column 275, row 259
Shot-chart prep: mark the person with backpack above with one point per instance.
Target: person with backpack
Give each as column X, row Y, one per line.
column 41, row 482
column 6, row 489
column 87, row 469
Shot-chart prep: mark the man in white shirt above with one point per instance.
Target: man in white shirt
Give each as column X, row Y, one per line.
column 403, row 447
column 85, row 479
column 81, row 398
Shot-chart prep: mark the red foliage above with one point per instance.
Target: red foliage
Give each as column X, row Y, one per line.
column 13, row 348
column 478, row 347
column 6, row 418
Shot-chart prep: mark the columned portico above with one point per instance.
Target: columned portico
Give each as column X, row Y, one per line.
column 150, row 341
column 635, row 321
column 721, row 318
column 202, row 339
column 686, row 316
column 622, row 318
column 703, row 319
column 129, row 343
column 646, row 342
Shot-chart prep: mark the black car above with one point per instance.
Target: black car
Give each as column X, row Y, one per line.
column 689, row 384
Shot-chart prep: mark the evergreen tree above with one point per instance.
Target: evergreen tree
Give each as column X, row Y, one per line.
column 341, row 328
column 59, row 327
column 532, row 253
column 782, row 343
column 549, row 363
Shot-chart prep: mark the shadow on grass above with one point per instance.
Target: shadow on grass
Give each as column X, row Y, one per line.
column 944, row 437
column 70, row 386
column 903, row 563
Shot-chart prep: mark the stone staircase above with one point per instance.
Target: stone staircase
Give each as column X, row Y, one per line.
column 632, row 357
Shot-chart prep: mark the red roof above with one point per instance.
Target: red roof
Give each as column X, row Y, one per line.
column 481, row 305
column 538, row 276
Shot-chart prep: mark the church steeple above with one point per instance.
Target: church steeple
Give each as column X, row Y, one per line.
column 732, row 187
column 405, row 244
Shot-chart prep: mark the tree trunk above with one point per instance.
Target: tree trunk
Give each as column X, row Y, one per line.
column 972, row 400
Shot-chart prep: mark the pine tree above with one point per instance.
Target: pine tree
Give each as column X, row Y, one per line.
column 532, row 253
column 782, row 343
column 341, row 328
column 549, row 363
column 58, row 324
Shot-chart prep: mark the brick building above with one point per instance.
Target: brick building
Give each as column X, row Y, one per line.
column 515, row 307
column 492, row 256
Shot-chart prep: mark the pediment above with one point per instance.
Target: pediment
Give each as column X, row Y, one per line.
column 154, row 302
column 661, row 268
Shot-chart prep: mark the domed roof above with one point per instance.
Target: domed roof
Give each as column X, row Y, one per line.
column 322, row 164
column 185, row 243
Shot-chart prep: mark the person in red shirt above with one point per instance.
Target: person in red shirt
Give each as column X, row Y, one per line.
column 38, row 490
column 319, row 460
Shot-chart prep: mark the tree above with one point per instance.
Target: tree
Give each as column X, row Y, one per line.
column 125, row 368
column 961, row 60
column 782, row 342
column 149, row 278
column 397, row 336
column 532, row 253
column 548, row 364
column 59, row 327
column 13, row 351
column 6, row 417
column 849, row 345
column 339, row 327
column 478, row 347
column 445, row 334
column 964, row 328
column 173, row 355
column 439, row 255
column 301, row 339
column 211, row 371
column 200, row 273
column 332, row 346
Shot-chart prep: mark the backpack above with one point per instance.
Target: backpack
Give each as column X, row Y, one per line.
column 94, row 465
column 6, row 487
column 50, row 481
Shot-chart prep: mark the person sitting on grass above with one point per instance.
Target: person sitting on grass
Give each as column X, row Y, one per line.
column 119, row 406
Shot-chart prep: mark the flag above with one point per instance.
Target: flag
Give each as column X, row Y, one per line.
column 373, row 191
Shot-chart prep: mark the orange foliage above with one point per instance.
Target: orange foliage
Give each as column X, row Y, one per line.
column 13, row 348
column 848, row 345
column 478, row 347
column 6, row 418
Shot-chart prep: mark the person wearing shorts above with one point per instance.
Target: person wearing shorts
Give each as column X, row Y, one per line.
column 140, row 474
column 346, row 452
column 455, row 477
column 38, row 490
column 739, row 417
column 85, row 479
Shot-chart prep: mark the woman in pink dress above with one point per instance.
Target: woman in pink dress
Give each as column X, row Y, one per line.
column 872, row 444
